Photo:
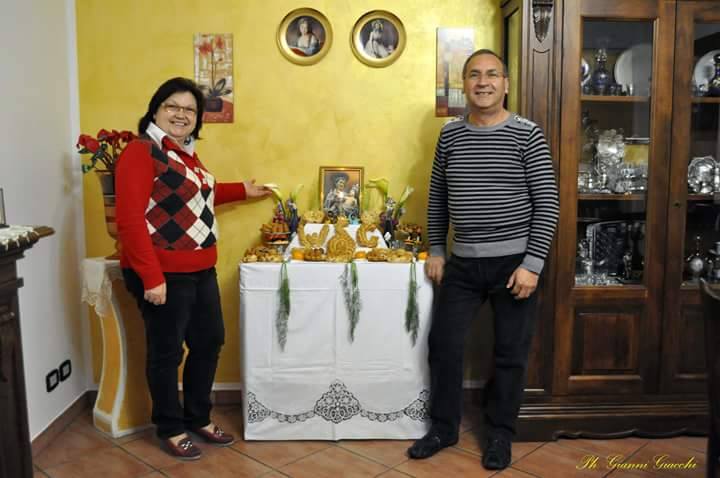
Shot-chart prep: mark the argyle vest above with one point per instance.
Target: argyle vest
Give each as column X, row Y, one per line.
column 180, row 213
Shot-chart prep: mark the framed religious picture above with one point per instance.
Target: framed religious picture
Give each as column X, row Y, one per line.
column 378, row 38
column 304, row 36
column 340, row 190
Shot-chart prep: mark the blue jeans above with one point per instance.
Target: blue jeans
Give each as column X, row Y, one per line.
column 467, row 283
column 190, row 315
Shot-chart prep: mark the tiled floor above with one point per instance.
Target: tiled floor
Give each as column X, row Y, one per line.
column 81, row 451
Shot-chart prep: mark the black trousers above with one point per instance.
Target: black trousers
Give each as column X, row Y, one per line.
column 190, row 315
column 466, row 284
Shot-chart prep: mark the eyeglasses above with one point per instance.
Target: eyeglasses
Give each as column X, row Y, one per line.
column 176, row 109
column 490, row 75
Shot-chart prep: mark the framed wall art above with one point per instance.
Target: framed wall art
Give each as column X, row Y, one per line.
column 378, row 38
column 340, row 190
column 304, row 36
column 214, row 75
column 454, row 46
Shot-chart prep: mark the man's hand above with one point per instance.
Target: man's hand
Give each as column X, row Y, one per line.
column 434, row 267
column 522, row 282
column 157, row 294
column 254, row 191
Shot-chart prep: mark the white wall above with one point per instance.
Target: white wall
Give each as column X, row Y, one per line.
column 40, row 175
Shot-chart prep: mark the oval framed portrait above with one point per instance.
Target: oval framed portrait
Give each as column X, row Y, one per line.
column 304, row 36
column 378, row 38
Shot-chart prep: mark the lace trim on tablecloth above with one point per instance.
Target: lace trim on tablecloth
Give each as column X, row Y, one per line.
column 98, row 276
column 12, row 236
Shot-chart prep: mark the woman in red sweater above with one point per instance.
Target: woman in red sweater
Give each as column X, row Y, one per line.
column 165, row 202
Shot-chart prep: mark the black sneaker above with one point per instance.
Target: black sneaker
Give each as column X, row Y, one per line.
column 497, row 453
column 428, row 445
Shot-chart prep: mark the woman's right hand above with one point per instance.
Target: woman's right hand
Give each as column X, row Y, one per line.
column 252, row 190
column 157, row 294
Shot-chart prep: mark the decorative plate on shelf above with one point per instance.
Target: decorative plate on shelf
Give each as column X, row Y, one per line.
column 700, row 174
column 705, row 68
column 584, row 71
column 634, row 66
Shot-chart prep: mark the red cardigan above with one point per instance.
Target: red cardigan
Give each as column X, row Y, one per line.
column 134, row 182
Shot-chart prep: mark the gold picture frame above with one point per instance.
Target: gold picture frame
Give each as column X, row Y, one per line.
column 304, row 36
column 341, row 188
column 378, row 38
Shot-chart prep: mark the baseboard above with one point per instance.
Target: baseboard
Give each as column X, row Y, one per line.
column 47, row 436
column 226, row 397
column 223, row 394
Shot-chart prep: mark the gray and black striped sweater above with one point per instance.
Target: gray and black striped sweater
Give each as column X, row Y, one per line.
column 496, row 186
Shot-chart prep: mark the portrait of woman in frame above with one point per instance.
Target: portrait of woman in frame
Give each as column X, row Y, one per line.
column 378, row 38
column 304, row 36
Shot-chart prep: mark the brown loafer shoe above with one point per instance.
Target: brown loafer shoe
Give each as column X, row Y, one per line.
column 216, row 437
column 184, row 450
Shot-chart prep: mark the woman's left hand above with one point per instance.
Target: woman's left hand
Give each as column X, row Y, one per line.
column 254, row 191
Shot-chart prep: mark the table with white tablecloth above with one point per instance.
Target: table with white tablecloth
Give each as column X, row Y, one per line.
column 322, row 385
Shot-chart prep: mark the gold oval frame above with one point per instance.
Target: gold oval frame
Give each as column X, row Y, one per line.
column 358, row 46
column 288, row 51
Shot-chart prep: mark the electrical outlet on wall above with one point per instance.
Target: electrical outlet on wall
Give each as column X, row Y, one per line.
column 55, row 376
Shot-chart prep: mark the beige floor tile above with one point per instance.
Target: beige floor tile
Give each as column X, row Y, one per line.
column 470, row 441
column 106, row 463
column 512, row 473
column 623, row 447
column 393, row 474
column 275, row 474
column 150, row 450
column 633, row 474
column 75, row 441
column 387, row 452
column 277, row 454
column 148, row 432
column 658, row 453
column 333, row 462
column 153, row 474
column 524, row 448
column 693, row 443
column 449, row 462
column 552, row 460
column 223, row 463
column 38, row 474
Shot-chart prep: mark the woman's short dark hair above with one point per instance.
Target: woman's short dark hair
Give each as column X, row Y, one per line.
column 166, row 90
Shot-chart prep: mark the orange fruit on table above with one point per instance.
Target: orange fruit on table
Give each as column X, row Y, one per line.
column 422, row 256
column 298, row 255
column 360, row 255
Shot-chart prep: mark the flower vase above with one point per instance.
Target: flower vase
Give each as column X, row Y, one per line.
column 107, row 185
column 213, row 105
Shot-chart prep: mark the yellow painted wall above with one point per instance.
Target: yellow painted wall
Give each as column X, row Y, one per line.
column 289, row 119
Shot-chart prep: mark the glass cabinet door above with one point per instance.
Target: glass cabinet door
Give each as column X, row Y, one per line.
column 615, row 140
column 693, row 218
column 702, row 224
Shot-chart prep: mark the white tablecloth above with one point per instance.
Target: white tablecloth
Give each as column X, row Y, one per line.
column 322, row 385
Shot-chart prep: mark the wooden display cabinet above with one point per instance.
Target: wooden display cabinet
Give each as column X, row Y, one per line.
column 619, row 348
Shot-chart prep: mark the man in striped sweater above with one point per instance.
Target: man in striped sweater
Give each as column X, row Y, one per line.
column 493, row 180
